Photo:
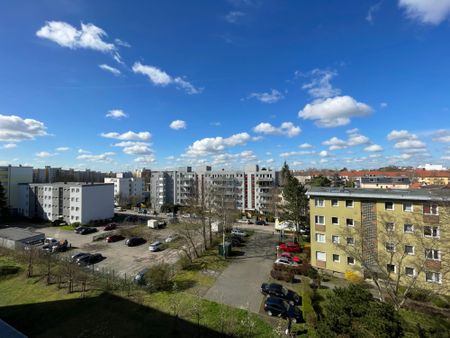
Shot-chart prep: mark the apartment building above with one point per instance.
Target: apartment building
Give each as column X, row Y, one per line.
column 50, row 174
column 402, row 233
column 70, row 202
column 127, row 188
column 385, row 182
column 10, row 178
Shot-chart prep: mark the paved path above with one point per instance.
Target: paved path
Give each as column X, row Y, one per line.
column 240, row 283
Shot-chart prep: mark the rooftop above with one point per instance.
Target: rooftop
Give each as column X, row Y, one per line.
column 401, row 194
column 17, row 234
column 67, row 184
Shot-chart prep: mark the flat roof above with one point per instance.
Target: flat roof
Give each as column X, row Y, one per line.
column 68, row 184
column 401, row 194
column 18, row 234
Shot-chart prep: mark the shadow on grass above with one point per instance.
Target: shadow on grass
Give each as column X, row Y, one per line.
column 106, row 315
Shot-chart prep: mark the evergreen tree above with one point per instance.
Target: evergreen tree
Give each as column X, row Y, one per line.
column 3, row 203
column 320, row 181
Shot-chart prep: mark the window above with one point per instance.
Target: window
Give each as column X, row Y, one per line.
column 409, row 250
column 319, row 202
column 408, row 228
column 350, row 222
column 350, row 241
column 390, row 247
column 389, row 226
column 334, row 202
column 321, row 256
column 320, row 238
column 319, row 219
column 411, row 272
column 430, row 209
column 431, row 231
column 349, row 203
column 350, row 261
column 390, row 268
column 433, row 254
column 388, row 206
column 433, row 277
column 336, row 258
column 407, row 207
column 335, row 220
column 335, row 239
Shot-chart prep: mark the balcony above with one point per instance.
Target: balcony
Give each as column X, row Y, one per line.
column 320, row 227
column 430, row 219
column 432, row 264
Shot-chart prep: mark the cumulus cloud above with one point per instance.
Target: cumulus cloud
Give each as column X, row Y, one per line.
column 129, row 136
column 178, row 124
column 357, row 139
column 104, row 157
column 143, row 160
column 407, row 144
column 82, row 151
column 426, row 11
column 214, row 145
column 160, row 78
column 234, row 16
column 116, row 114
column 373, row 148
column 324, row 153
column 372, row 10
column 305, row 146
column 62, row 149
column 442, row 136
column 286, row 128
column 335, row 143
column 110, row 69
column 334, row 112
column 354, row 139
column 320, row 83
column 122, row 43
column 269, row 97
column 14, row 128
column 400, row 134
column 135, row 148
column 44, row 154
column 9, row 146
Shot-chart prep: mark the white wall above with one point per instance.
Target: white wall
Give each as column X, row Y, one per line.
column 97, row 202
column 17, row 175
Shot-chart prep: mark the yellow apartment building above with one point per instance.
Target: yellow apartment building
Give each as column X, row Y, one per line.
column 397, row 233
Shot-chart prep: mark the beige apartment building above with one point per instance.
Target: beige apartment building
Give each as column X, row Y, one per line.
column 397, row 233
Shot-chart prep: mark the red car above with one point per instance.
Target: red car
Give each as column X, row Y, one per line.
column 290, row 256
column 290, row 247
column 114, row 238
column 110, row 226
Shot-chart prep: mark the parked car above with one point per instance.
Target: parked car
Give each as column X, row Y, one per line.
column 290, row 256
column 172, row 238
column 244, row 221
column 155, row 246
column 139, row 279
column 275, row 306
column 260, row 222
column 285, row 261
column 76, row 257
column 48, row 243
column 86, row 230
column 239, row 232
column 110, row 226
column 278, row 290
column 290, row 247
column 90, row 259
column 113, row 238
column 235, row 240
column 60, row 246
column 134, row 241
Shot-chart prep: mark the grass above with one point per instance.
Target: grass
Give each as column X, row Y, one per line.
column 413, row 319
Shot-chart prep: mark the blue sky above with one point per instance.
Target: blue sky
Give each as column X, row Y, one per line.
column 123, row 85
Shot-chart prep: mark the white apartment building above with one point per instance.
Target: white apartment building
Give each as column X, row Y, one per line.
column 10, row 178
column 71, row 202
column 127, row 187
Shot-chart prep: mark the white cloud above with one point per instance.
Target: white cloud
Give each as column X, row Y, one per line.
column 354, row 139
column 297, row 153
column 160, row 78
column 15, row 128
column 234, row 16
column 178, row 124
column 270, row 97
column 286, row 128
column 66, row 35
column 400, row 134
column 334, row 112
column 357, row 139
column 383, row 104
column 320, row 86
column 407, row 144
column 122, row 43
column 442, row 136
column 352, row 131
column 105, row 157
column 62, row 149
column 305, row 146
column 129, row 136
column 214, row 145
column 116, row 114
column 110, row 69
column 9, row 146
column 445, row 158
column 44, row 154
column 373, row 148
column 426, row 11
column 401, row 157
column 82, row 151
column 143, row 160
column 335, row 143
column 372, row 10
column 324, row 153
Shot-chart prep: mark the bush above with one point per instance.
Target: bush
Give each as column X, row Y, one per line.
column 159, row 277
column 419, row 295
column 8, row 270
column 440, row 302
column 312, row 273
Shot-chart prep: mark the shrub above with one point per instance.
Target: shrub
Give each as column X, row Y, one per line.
column 312, row 273
column 8, row 270
column 440, row 302
column 159, row 277
column 353, row 277
column 419, row 295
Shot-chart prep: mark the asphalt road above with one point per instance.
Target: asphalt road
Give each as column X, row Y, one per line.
column 240, row 283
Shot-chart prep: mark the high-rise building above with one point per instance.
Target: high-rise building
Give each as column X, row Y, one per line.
column 10, row 178
column 127, row 189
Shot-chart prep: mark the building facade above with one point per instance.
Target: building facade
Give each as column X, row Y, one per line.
column 385, row 182
column 397, row 233
column 69, row 202
column 51, row 175
column 127, row 189
column 10, row 178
